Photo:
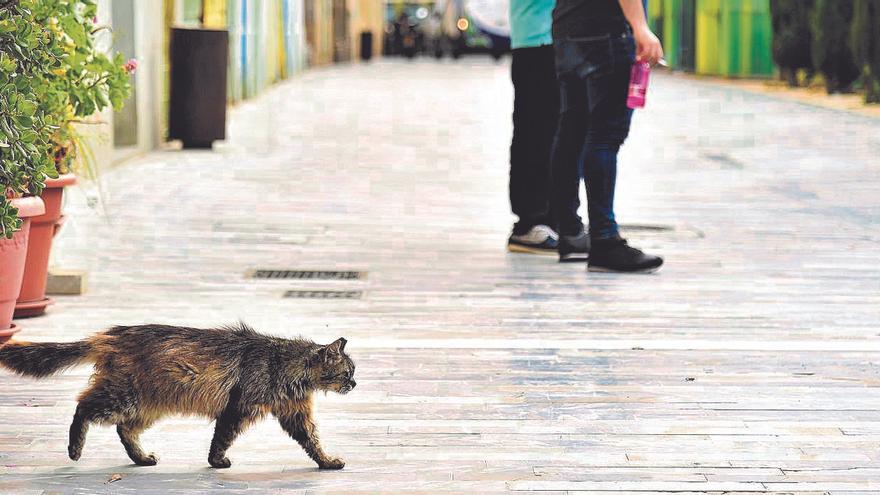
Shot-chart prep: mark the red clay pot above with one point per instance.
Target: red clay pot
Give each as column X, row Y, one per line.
column 12, row 256
column 7, row 334
column 32, row 300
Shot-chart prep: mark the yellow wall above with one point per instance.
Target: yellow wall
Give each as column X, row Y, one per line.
column 321, row 32
column 366, row 15
column 215, row 14
column 708, row 22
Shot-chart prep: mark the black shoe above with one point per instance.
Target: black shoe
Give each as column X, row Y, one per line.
column 574, row 248
column 540, row 239
column 615, row 255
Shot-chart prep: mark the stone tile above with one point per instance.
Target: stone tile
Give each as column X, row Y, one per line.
column 748, row 364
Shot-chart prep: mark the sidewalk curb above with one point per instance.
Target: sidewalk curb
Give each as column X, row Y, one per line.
column 849, row 103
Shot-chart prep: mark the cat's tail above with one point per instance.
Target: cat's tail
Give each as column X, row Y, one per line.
column 41, row 359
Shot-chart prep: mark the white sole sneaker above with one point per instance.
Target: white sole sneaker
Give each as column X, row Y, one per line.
column 519, row 248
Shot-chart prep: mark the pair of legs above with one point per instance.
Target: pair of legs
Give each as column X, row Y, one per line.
column 108, row 402
column 535, row 113
column 296, row 421
column 594, row 121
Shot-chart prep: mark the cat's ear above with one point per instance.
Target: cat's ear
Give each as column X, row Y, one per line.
column 333, row 350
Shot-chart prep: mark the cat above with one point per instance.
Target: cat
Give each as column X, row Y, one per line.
column 233, row 375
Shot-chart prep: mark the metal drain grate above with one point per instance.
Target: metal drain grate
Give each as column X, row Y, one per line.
column 307, row 275
column 324, row 294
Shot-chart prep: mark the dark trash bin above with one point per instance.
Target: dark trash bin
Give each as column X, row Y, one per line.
column 197, row 106
column 366, row 45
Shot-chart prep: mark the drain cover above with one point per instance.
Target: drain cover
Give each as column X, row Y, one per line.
column 308, row 275
column 324, row 294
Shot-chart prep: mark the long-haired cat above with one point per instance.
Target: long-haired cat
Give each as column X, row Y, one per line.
column 232, row 374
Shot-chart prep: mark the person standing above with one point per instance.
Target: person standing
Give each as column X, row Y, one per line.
column 535, row 112
column 596, row 42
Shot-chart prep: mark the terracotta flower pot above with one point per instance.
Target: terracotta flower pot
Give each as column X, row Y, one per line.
column 8, row 333
column 32, row 300
column 12, row 256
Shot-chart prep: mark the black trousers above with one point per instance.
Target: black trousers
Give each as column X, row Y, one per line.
column 535, row 114
column 594, row 121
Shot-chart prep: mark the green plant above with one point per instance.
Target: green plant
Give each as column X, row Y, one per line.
column 51, row 76
column 86, row 82
column 831, row 20
column 27, row 57
column 865, row 42
column 792, row 37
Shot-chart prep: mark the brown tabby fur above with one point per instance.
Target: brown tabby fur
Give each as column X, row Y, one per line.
column 232, row 374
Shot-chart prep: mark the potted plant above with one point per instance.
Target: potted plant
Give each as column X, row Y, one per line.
column 26, row 59
column 84, row 81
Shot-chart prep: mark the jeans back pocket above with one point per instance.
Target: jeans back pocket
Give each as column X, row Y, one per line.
column 585, row 57
column 594, row 56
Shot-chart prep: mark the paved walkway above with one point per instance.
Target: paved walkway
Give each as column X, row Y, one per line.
column 751, row 363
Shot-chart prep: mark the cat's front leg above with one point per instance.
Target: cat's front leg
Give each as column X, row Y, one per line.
column 300, row 427
column 229, row 425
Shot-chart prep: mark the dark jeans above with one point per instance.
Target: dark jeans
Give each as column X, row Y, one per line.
column 535, row 111
column 594, row 121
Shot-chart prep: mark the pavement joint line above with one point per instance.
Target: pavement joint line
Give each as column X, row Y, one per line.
column 616, row 345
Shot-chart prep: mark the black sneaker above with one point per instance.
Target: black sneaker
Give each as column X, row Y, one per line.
column 574, row 248
column 615, row 255
column 540, row 239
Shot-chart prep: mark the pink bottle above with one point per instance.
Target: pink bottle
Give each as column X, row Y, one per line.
column 638, row 84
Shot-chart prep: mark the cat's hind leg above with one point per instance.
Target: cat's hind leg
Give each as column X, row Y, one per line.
column 103, row 402
column 129, row 433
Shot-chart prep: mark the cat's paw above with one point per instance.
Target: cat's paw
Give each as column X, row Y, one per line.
column 335, row 463
column 74, row 452
column 150, row 460
column 220, row 462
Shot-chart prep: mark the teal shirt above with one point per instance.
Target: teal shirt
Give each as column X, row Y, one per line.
column 531, row 22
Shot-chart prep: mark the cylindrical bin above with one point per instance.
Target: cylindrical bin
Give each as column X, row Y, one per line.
column 197, row 107
column 708, row 36
column 366, row 45
column 655, row 18
column 687, row 47
column 672, row 31
column 734, row 38
column 757, row 32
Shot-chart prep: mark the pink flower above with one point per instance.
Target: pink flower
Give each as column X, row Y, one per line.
column 131, row 66
column 95, row 20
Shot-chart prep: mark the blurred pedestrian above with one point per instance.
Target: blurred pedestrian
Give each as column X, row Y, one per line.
column 535, row 112
column 596, row 43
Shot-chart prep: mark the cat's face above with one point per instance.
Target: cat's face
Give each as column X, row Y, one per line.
column 336, row 368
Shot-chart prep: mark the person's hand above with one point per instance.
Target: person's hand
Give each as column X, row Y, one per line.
column 648, row 47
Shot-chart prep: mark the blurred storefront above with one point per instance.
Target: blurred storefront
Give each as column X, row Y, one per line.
column 335, row 28
column 442, row 28
column 269, row 40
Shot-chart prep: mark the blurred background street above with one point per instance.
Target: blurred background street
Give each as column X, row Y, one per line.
column 749, row 364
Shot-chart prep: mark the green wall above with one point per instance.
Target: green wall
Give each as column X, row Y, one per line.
column 732, row 37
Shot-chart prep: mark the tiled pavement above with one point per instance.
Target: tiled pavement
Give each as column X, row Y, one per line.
column 751, row 363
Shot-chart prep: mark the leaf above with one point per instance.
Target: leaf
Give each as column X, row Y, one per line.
column 28, row 136
column 24, row 121
column 27, row 108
